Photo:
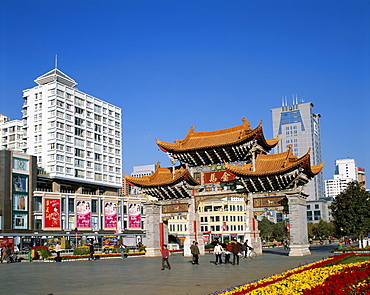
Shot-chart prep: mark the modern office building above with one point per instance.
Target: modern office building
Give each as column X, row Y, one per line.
column 12, row 134
column 362, row 177
column 74, row 135
column 346, row 170
column 299, row 126
column 140, row 171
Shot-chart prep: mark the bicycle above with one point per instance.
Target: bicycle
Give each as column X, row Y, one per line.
column 251, row 253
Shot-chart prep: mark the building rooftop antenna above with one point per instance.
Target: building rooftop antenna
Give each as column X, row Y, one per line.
column 56, row 61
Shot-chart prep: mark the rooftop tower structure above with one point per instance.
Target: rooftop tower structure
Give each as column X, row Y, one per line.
column 299, row 126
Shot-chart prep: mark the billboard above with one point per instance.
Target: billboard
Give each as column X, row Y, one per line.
column 83, row 213
column 134, row 216
column 110, row 215
column 52, row 213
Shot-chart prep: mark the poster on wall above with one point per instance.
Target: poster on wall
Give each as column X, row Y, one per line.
column 134, row 215
column 20, row 183
column 83, row 213
column 20, row 221
column 19, row 202
column 110, row 214
column 110, row 241
column 52, row 213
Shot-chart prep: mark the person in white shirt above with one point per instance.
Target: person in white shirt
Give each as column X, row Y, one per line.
column 218, row 252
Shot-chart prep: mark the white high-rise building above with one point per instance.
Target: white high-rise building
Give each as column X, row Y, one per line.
column 346, row 170
column 73, row 135
column 299, row 126
column 12, row 134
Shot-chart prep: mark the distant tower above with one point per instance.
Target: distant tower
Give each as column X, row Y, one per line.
column 300, row 126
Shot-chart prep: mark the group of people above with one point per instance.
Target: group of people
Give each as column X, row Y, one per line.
column 237, row 249
column 6, row 254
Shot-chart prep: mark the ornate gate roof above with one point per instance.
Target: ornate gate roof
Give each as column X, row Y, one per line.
column 232, row 144
column 276, row 172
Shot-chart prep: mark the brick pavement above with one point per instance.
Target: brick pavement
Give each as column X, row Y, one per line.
column 142, row 275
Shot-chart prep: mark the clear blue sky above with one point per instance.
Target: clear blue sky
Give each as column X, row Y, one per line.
column 173, row 64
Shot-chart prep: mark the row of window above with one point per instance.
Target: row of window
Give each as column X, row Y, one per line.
column 221, row 208
column 81, row 153
column 218, row 228
column 217, row 218
column 81, row 102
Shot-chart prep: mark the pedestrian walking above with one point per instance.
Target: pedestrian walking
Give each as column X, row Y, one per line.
column 196, row 253
column 165, row 255
column 236, row 252
column 192, row 251
column 1, row 254
column 246, row 248
column 218, row 253
column 228, row 251
column 122, row 248
column 58, row 249
column 92, row 251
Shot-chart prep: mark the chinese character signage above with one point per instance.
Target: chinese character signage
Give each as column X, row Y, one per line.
column 83, row 213
column 134, row 215
column 110, row 215
column 218, row 176
column 52, row 213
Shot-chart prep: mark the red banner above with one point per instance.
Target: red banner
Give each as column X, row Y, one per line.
column 52, row 213
column 218, row 176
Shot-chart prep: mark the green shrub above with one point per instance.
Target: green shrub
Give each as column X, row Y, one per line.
column 82, row 250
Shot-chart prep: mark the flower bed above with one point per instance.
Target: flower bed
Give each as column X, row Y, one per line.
column 350, row 249
column 97, row 256
column 310, row 276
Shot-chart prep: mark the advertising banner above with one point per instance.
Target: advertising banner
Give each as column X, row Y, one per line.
column 19, row 202
column 52, row 213
column 110, row 241
column 134, row 215
column 7, row 241
column 20, row 220
column 20, row 183
column 110, row 214
column 83, row 213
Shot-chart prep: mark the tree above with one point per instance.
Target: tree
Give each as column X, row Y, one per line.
column 350, row 211
column 280, row 230
column 265, row 227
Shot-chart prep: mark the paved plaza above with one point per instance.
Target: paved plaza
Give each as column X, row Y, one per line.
column 143, row 275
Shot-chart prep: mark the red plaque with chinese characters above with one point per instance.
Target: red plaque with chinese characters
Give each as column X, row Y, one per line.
column 218, row 176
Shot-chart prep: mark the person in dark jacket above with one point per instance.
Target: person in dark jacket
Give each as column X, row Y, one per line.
column 92, row 251
column 236, row 251
column 196, row 253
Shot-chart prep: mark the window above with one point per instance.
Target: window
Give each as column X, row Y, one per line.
column 79, row 173
column 79, row 121
column 94, row 206
column 79, row 132
column 79, row 153
column 79, row 110
column 71, row 205
column 79, row 101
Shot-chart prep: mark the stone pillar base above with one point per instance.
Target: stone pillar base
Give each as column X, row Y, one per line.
column 299, row 250
column 153, row 252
